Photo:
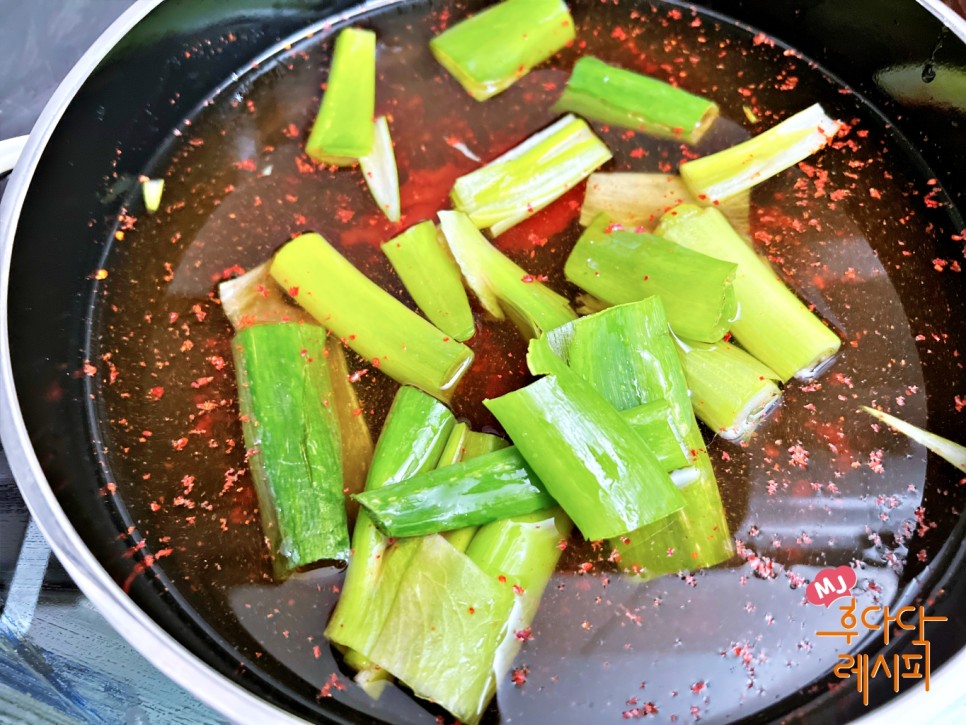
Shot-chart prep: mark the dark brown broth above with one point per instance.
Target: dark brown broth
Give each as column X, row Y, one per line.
column 238, row 186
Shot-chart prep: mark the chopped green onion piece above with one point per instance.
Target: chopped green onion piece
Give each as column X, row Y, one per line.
column 255, row 298
column 470, row 493
column 625, row 353
column 593, row 463
column 152, row 189
column 944, row 448
column 773, row 324
column 489, row 52
column 464, row 445
column 521, row 553
column 696, row 537
column 502, row 287
column 619, row 266
column 412, row 440
column 612, row 95
column 481, row 488
column 726, row 173
column 285, row 399
column 368, row 319
column 343, row 131
column 731, row 391
column 529, row 177
column 654, row 422
column 357, row 447
column 457, row 613
column 379, row 170
column 423, row 262
column 636, row 199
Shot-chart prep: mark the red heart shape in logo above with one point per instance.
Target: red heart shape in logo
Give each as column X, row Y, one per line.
column 830, row 584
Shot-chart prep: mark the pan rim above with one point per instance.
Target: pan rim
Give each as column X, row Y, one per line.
column 171, row 657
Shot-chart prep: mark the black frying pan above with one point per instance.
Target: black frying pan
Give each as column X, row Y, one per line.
column 61, row 210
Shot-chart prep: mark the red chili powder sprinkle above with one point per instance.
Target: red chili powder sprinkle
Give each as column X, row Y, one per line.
column 520, row 675
column 524, row 635
column 156, row 393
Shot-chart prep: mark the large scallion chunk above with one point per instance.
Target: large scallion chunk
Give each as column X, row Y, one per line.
column 773, row 324
column 492, row 50
column 379, row 169
column 641, row 367
column 696, row 537
column 367, row 318
column 412, row 440
column 432, row 278
column 457, row 613
column 255, row 298
column 503, row 288
column 343, row 129
column 285, row 398
column 619, row 266
column 530, row 176
column 731, row 391
column 621, row 97
column 591, row 461
column 726, row 173
column 637, row 200
column 521, row 553
column 478, row 488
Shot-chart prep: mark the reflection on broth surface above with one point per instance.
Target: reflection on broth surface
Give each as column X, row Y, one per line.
column 818, row 485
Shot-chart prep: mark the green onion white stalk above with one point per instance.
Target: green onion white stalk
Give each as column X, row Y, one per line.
column 529, row 177
column 286, row 404
column 732, row 393
column 503, row 288
column 492, row 50
column 152, row 189
column 637, row 200
column 726, row 173
column 773, row 324
column 952, row 453
column 379, row 169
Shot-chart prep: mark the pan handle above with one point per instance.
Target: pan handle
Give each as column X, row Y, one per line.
column 9, row 153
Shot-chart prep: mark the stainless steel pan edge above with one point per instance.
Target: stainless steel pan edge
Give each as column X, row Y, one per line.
column 166, row 653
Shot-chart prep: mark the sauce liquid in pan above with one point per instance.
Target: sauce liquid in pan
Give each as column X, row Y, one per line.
column 817, row 486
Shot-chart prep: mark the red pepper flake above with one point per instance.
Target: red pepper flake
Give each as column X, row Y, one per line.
column 618, row 33
column 291, row 131
column 519, row 675
column 698, row 687
column 874, row 193
column 199, row 313
column 217, row 361
column 524, row 635
column 179, row 444
column 586, row 567
column 293, row 291
column 88, row 369
column 345, row 215
column 333, row 681
column 201, row 382
column 302, row 166
column 245, row 165
column 501, row 578
column 156, row 393
column 472, row 610
column 518, row 590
